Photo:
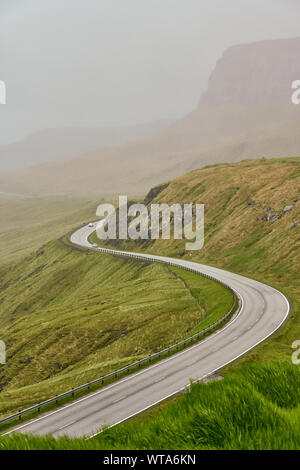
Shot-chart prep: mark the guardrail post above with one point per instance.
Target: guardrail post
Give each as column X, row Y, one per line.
column 20, row 416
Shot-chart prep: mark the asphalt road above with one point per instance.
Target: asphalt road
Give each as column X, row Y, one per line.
column 262, row 311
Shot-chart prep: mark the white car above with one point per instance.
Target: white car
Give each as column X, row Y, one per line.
column 94, row 245
column 91, row 225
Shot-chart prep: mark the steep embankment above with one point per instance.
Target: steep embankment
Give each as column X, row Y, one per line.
column 245, row 113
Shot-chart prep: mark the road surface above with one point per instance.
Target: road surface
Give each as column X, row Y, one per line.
column 262, row 311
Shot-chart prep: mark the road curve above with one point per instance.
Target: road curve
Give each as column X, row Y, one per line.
column 263, row 310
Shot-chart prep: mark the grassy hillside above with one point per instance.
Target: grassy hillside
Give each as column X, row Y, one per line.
column 68, row 317
column 249, row 230
column 27, row 223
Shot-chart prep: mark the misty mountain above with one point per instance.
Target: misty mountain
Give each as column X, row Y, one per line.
column 245, row 113
column 54, row 145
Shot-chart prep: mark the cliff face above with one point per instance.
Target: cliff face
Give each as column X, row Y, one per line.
column 246, row 113
column 255, row 74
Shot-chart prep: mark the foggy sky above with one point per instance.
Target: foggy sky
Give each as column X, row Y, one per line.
column 115, row 62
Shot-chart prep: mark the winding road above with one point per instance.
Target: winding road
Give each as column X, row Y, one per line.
column 262, row 311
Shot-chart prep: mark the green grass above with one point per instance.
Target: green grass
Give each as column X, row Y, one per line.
column 68, row 317
column 211, row 296
column 257, row 407
column 237, row 237
column 28, row 223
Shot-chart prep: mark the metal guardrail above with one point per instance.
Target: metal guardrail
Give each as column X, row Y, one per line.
column 235, row 306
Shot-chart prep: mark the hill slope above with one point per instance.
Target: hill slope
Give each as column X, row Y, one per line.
column 68, row 317
column 54, row 145
column 252, row 227
column 248, row 231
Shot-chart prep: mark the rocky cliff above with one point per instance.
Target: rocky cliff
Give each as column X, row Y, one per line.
column 254, row 73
